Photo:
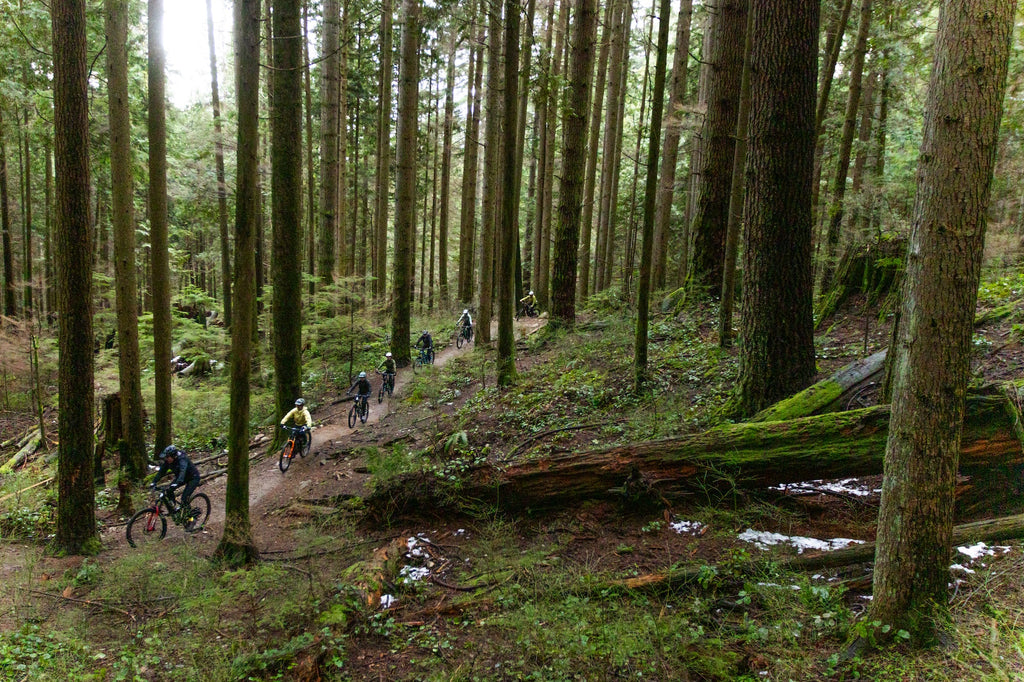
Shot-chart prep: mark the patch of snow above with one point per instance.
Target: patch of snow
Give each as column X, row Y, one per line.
column 387, row 601
column 958, row 567
column 413, row 545
column 692, row 527
column 980, row 549
column 412, row 574
column 765, row 539
column 846, row 486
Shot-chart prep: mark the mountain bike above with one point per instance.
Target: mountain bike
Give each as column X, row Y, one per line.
column 298, row 443
column 360, row 409
column 387, row 385
column 526, row 310
column 425, row 357
column 463, row 334
column 150, row 524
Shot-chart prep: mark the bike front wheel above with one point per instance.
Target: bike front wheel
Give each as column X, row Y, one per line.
column 145, row 527
column 364, row 411
column 199, row 512
column 458, row 340
column 307, row 444
column 285, row 459
column 353, row 413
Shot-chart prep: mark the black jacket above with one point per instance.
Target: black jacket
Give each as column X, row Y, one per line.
column 182, row 468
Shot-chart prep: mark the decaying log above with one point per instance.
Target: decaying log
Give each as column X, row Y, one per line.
column 23, row 454
column 987, row 531
column 747, row 456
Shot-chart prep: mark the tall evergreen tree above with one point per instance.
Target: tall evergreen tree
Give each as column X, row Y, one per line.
column 160, row 267
column 777, row 353
column 76, row 509
column 380, row 215
column 236, row 545
column 405, row 182
column 933, row 342
column 507, row 232
column 330, row 92
column 222, row 187
column 133, row 449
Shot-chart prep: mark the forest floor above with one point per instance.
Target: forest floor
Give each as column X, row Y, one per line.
column 464, row 595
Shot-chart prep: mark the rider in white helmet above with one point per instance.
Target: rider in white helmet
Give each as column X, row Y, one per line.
column 362, row 383
column 466, row 321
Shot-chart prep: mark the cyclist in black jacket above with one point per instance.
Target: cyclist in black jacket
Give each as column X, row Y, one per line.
column 426, row 343
column 185, row 473
column 363, row 384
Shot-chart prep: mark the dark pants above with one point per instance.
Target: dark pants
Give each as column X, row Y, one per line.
column 186, row 493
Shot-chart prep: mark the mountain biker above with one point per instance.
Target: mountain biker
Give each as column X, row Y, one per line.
column 528, row 302
column 388, row 363
column 363, row 384
column 466, row 321
column 177, row 462
column 299, row 415
column 426, row 343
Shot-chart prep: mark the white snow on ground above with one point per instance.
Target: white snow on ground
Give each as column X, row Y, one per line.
column 692, row 527
column 412, row 574
column 387, row 601
column 980, row 549
column 846, row 486
column 413, row 545
column 764, row 539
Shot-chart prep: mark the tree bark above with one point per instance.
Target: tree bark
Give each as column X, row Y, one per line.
column 237, row 546
column 380, row 216
column 76, row 519
column 777, row 355
column 160, row 266
column 574, row 145
column 286, row 204
column 10, row 304
column 507, row 232
column 932, row 364
column 330, row 89
column 405, row 182
column 492, row 157
column 470, row 169
column 133, row 451
column 446, row 173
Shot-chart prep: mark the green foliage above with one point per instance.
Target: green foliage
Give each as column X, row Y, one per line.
column 30, row 653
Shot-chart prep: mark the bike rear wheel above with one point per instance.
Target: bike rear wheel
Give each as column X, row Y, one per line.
column 145, row 527
column 199, row 512
column 287, row 450
column 380, row 393
column 352, row 414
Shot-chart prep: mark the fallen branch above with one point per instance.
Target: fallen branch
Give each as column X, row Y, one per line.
column 18, row 492
column 22, row 455
column 105, row 607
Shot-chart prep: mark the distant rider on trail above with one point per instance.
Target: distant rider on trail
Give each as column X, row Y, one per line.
column 388, row 364
column 466, row 321
column 363, row 384
column 426, row 343
column 528, row 304
column 299, row 415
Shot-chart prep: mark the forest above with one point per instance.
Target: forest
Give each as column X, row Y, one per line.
column 672, row 341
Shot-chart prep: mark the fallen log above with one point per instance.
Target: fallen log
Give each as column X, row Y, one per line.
column 30, row 447
column 987, row 531
column 746, row 456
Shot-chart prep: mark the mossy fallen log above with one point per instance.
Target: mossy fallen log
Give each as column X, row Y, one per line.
column 30, row 447
column 735, row 456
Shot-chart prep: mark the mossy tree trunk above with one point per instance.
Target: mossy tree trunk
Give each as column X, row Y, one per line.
column 933, row 351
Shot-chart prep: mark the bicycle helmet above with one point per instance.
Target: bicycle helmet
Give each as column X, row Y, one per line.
column 362, row 375
column 388, row 354
column 169, row 451
column 531, row 293
column 465, row 311
column 300, row 402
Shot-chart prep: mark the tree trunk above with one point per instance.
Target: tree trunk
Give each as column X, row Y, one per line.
column 747, row 456
column 123, row 195
column 158, row 237
column 932, row 365
column 405, row 182
column 711, row 212
column 650, row 196
column 76, row 520
column 446, row 173
column 590, row 179
column 330, row 89
column 617, row 137
column 574, row 145
column 777, row 355
column 10, row 305
column 732, row 230
column 380, row 216
column 286, row 204
column 835, row 214
column 507, row 233
column 492, row 158
column 222, row 188
column 310, row 208
column 541, row 110
column 670, row 148
column 467, row 218
column 26, row 244
column 236, row 546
